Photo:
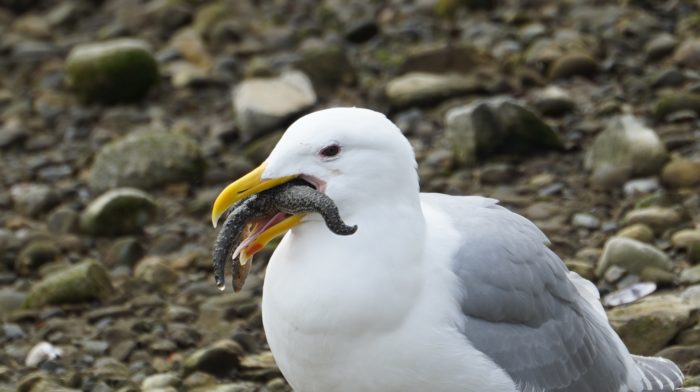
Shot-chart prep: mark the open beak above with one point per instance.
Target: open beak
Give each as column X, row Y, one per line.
column 245, row 186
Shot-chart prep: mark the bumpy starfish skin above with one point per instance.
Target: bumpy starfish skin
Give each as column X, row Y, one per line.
column 290, row 198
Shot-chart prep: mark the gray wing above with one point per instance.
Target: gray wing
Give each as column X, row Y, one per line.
column 520, row 307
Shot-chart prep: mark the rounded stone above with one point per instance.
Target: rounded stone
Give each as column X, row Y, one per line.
column 34, row 255
column 573, row 64
column 658, row 218
column 688, row 53
column 681, row 173
column 121, row 70
column 632, row 255
column 637, row 231
column 627, row 145
column 119, row 211
column 147, row 160
column 85, row 281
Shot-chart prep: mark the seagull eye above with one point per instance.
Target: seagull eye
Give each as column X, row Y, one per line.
column 330, row 151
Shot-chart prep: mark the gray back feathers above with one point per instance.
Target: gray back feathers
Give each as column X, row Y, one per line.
column 521, row 309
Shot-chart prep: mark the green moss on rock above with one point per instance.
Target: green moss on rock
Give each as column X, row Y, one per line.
column 85, row 281
column 147, row 160
column 116, row 71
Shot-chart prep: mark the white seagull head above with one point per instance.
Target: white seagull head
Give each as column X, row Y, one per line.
column 357, row 157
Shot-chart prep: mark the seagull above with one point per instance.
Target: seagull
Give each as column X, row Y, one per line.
column 433, row 292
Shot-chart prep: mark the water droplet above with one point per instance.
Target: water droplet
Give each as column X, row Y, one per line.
column 220, row 283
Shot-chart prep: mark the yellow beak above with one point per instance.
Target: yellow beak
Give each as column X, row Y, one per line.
column 245, row 186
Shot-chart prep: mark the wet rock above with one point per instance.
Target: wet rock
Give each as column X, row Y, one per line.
column 497, row 125
column 681, row 173
column 676, row 102
column 63, row 221
column 124, row 252
column 573, row 64
column 658, row 218
column 82, row 282
column 32, row 199
column 122, row 70
column 628, row 146
column 554, row 101
column 419, row 88
column 147, row 160
column 262, row 104
column 691, row 275
column 660, row 46
column 219, row 359
column 688, row 53
column 118, row 211
column 648, row 325
column 637, row 231
column 161, row 380
column 632, row 255
column 327, row 66
column 34, row 255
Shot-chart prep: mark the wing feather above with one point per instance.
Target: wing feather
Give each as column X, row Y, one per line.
column 520, row 307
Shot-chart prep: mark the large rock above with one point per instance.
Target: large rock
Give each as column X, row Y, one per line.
column 121, row 70
column 85, row 281
column 419, row 88
column 118, row 211
column 632, row 255
column 262, row 104
column 649, row 325
column 497, row 125
column 147, row 160
column 626, row 145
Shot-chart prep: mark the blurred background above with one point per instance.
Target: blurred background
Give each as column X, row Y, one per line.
column 121, row 120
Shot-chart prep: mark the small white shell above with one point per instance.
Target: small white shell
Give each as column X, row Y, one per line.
column 629, row 294
column 41, row 352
